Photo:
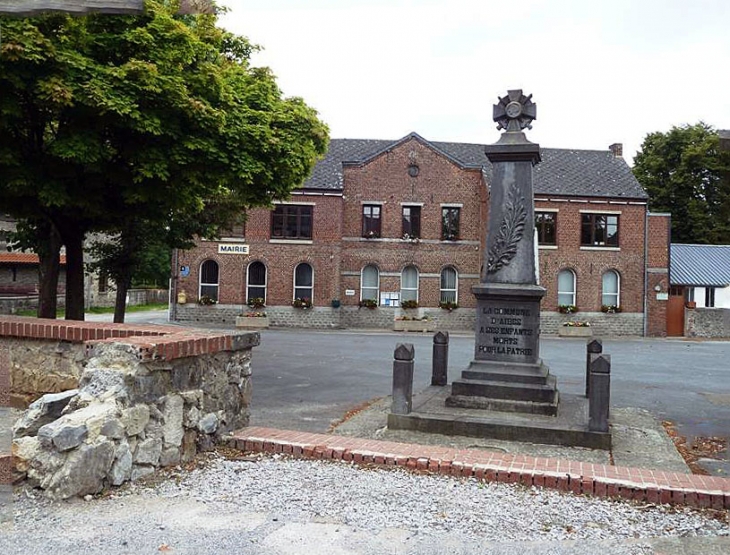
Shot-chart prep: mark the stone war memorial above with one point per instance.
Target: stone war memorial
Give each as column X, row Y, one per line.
column 507, row 392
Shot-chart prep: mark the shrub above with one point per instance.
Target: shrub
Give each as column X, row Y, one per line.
column 567, row 309
column 448, row 305
column 206, row 300
column 256, row 302
column 302, row 302
column 368, row 303
column 409, row 304
column 610, row 309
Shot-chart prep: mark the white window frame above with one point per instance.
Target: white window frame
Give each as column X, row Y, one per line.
column 418, row 283
column 377, row 286
column 216, row 285
column 248, row 279
column 456, row 284
column 294, row 280
column 573, row 293
column 618, row 288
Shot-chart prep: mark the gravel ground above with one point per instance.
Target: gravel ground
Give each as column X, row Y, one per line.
column 279, row 505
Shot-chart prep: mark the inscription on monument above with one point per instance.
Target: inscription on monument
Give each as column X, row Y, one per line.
column 507, row 332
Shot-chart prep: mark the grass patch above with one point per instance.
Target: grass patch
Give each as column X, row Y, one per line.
column 60, row 313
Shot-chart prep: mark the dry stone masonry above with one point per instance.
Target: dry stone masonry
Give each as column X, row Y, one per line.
column 151, row 399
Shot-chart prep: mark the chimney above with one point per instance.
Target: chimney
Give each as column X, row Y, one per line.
column 617, row 149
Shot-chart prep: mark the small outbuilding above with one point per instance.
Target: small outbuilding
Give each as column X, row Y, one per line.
column 699, row 304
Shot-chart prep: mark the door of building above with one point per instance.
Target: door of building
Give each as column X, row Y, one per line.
column 675, row 312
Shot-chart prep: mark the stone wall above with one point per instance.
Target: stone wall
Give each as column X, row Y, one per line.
column 11, row 305
column 39, row 366
column 348, row 317
column 707, row 322
column 625, row 323
column 135, row 297
column 147, row 397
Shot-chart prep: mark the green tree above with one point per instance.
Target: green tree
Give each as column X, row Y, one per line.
column 157, row 120
column 685, row 172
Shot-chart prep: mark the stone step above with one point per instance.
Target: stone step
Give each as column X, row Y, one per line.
column 528, row 374
column 503, row 405
column 537, row 393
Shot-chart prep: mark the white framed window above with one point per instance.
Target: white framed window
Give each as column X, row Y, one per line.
column 449, row 285
column 611, row 288
column 370, row 283
column 566, row 287
column 209, row 280
column 256, row 277
column 304, row 282
column 409, row 284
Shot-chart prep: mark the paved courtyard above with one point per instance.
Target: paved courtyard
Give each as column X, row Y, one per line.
column 308, row 379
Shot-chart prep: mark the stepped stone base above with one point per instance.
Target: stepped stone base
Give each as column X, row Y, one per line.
column 569, row 426
column 508, row 387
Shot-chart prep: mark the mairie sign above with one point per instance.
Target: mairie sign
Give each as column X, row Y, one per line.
column 225, row 248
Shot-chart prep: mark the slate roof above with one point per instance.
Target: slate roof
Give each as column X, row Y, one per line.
column 592, row 173
column 699, row 265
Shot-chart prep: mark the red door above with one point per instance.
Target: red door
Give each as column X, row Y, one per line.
column 675, row 312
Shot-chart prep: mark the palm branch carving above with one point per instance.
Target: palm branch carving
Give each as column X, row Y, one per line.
column 504, row 248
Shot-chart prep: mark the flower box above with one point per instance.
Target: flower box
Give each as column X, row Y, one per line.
column 575, row 331
column 252, row 323
column 413, row 325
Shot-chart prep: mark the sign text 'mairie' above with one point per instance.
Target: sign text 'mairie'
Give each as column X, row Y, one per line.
column 225, row 248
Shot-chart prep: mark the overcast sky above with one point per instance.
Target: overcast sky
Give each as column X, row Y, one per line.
column 600, row 71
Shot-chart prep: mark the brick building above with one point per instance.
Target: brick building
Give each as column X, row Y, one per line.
column 391, row 221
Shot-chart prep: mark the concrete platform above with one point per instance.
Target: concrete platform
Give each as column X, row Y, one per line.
column 570, row 426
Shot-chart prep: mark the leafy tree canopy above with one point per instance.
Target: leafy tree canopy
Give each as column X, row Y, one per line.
column 157, row 118
column 686, row 172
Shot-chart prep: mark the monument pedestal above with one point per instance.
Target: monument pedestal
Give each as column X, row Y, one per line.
column 507, row 373
column 507, row 392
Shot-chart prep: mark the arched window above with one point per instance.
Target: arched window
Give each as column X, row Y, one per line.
column 209, row 280
column 256, row 281
column 304, row 282
column 370, row 283
column 611, row 288
column 566, row 287
column 409, row 284
column 449, row 285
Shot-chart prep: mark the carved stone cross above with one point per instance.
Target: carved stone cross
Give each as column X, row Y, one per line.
column 515, row 111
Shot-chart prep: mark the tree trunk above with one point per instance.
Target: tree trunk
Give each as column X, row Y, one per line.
column 48, row 270
column 73, row 238
column 120, row 304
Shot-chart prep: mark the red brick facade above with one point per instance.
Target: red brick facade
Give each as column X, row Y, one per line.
column 338, row 252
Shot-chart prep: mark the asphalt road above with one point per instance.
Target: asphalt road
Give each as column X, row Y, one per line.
column 309, row 379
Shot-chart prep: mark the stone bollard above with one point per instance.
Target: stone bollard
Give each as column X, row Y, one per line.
column 440, row 372
column 593, row 347
column 403, row 378
column 600, row 395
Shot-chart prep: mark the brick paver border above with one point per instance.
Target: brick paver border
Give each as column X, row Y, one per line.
column 651, row 486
